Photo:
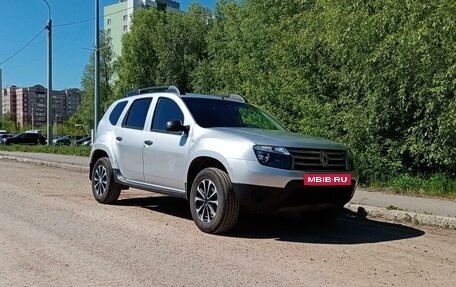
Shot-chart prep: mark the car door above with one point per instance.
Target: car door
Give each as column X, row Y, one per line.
column 26, row 139
column 129, row 140
column 165, row 154
column 32, row 139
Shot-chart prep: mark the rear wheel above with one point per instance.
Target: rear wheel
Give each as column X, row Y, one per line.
column 104, row 188
column 213, row 205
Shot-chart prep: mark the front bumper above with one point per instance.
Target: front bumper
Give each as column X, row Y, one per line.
column 252, row 173
column 293, row 195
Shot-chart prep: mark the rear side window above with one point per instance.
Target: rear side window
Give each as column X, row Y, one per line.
column 116, row 112
column 136, row 116
column 166, row 110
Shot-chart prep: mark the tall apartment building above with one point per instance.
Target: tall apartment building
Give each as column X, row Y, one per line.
column 28, row 105
column 117, row 17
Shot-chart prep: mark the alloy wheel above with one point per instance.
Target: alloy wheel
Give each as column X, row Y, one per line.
column 100, row 180
column 206, row 201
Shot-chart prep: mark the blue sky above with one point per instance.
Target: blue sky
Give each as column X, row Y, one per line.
column 20, row 21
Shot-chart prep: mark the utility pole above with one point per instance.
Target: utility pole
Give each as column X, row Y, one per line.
column 49, row 91
column 97, row 70
column 56, row 122
column 33, row 117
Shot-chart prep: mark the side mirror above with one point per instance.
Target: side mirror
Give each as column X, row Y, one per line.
column 176, row 126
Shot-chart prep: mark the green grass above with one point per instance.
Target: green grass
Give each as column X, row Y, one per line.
column 437, row 185
column 66, row 150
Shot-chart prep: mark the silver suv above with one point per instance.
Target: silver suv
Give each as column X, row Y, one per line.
column 218, row 152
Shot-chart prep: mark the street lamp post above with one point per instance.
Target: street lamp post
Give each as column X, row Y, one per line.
column 49, row 79
column 56, row 122
column 97, row 69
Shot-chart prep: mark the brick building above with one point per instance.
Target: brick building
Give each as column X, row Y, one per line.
column 28, row 105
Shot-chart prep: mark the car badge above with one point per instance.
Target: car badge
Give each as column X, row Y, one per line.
column 324, row 159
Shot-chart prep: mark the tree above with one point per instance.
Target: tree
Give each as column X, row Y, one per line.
column 8, row 124
column 137, row 64
column 377, row 75
column 181, row 46
column 85, row 112
column 162, row 48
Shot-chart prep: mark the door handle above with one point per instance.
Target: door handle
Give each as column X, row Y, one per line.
column 148, row 143
column 119, row 139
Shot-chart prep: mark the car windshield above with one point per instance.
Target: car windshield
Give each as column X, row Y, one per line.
column 209, row 113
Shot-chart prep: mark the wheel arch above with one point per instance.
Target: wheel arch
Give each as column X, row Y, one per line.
column 96, row 155
column 197, row 165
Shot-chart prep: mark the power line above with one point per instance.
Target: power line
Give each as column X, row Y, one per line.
column 91, row 19
column 60, row 25
column 25, row 46
column 74, row 23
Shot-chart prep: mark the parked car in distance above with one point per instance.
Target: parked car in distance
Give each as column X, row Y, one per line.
column 4, row 136
column 75, row 138
column 61, row 140
column 85, row 141
column 25, row 138
column 219, row 153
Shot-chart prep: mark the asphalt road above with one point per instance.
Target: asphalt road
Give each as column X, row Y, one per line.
column 53, row 233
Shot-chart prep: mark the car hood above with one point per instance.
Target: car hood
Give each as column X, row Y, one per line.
column 281, row 138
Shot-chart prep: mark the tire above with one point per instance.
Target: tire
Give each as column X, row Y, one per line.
column 213, row 204
column 104, row 188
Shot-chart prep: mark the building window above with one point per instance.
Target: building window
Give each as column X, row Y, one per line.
column 109, row 31
column 109, row 21
column 125, row 17
column 125, row 28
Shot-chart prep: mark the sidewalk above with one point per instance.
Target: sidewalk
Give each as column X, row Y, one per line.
column 401, row 208
column 420, row 205
column 429, row 211
column 78, row 163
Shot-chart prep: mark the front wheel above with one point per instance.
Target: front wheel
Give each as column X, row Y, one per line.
column 213, row 205
column 104, row 188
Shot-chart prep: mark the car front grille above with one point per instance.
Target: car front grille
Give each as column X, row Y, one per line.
column 318, row 159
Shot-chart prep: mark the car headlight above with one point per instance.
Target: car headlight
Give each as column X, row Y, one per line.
column 273, row 156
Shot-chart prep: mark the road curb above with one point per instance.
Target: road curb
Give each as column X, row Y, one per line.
column 403, row 216
column 72, row 167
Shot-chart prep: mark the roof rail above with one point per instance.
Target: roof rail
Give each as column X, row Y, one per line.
column 158, row 89
column 234, row 97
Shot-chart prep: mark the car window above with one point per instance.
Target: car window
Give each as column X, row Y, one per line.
column 253, row 119
column 136, row 116
column 210, row 113
column 166, row 110
column 116, row 112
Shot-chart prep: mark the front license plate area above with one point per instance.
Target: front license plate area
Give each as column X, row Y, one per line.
column 327, row 179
